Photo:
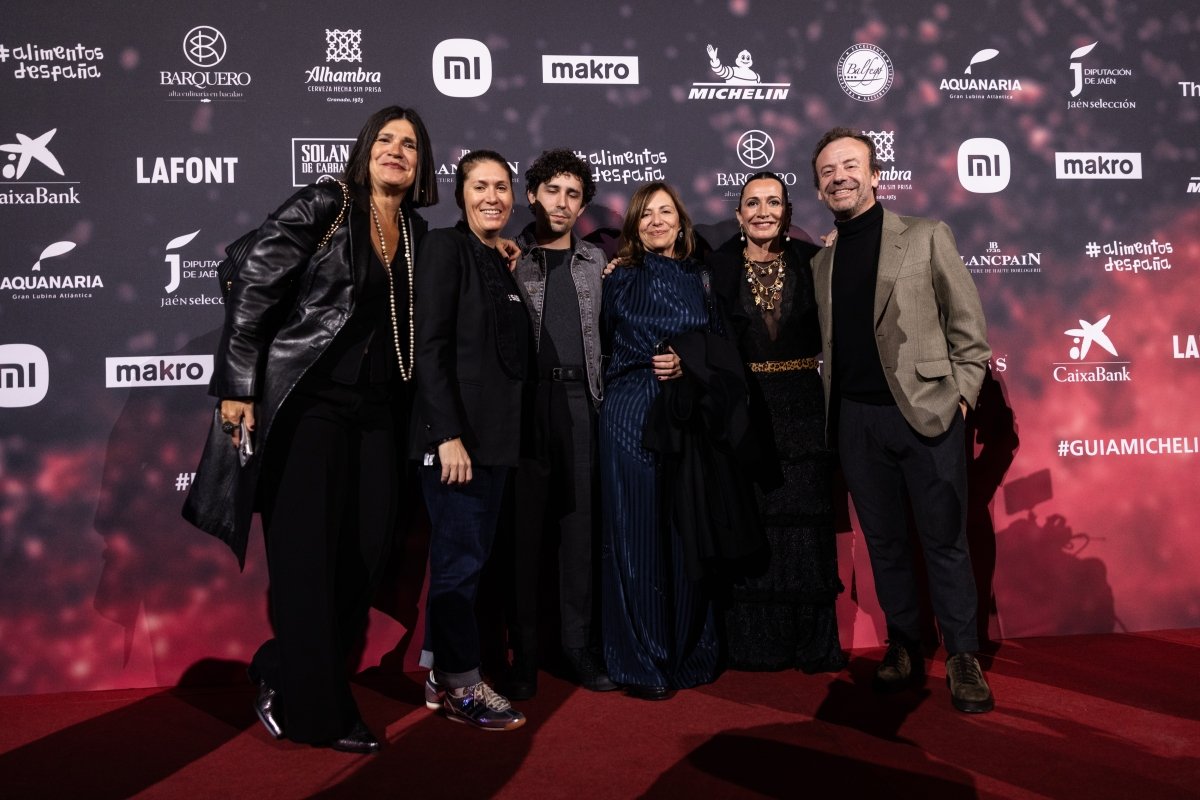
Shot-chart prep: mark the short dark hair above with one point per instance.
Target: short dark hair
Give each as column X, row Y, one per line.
column 766, row 174
column 423, row 192
column 560, row 162
column 844, row 133
column 471, row 159
column 632, row 249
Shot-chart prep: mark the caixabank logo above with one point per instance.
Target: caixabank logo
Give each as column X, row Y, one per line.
column 204, row 48
column 24, row 375
column 32, row 175
column 1089, row 342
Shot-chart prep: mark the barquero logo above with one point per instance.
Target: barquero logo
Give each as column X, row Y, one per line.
column 125, row 371
column 24, row 375
column 204, row 47
column 755, row 149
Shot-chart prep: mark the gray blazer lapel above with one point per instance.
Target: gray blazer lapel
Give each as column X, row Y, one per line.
column 892, row 247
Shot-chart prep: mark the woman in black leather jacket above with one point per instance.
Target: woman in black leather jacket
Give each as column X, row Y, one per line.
column 316, row 359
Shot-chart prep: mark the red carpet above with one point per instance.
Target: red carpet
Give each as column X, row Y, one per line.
column 1114, row 716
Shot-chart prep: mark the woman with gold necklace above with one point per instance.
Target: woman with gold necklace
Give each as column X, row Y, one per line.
column 782, row 614
column 315, row 365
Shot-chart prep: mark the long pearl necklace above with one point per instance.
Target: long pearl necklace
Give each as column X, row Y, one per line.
column 765, row 295
column 406, row 373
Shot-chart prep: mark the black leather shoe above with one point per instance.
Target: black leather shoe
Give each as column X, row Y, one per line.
column 649, row 692
column 266, row 706
column 520, row 683
column 359, row 740
column 588, row 669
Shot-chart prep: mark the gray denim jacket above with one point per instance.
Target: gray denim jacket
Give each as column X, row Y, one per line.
column 587, row 264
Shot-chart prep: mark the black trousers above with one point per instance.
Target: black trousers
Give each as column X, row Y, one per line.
column 887, row 464
column 329, row 507
column 553, row 496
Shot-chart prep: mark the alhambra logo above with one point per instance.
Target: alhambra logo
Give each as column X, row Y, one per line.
column 736, row 80
column 347, row 79
column 892, row 179
column 32, row 174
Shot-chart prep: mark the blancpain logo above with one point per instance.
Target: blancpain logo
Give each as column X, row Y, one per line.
column 1079, row 369
column 49, row 285
column 977, row 88
column 994, row 260
column 24, row 375
column 590, row 69
column 26, row 152
column 738, row 81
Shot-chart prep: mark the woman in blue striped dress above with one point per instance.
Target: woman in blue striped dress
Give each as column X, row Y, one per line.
column 659, row 629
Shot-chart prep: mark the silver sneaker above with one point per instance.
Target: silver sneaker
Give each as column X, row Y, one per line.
column 480, row 705
column 433, row 693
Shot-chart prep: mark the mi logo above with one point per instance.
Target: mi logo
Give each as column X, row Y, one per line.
column 24, row 375
column 462, row 67
column 984, row 166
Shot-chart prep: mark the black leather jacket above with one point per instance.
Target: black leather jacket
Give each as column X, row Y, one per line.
column 284, row 309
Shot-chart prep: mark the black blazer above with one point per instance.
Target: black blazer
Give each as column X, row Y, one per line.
column 474, row 350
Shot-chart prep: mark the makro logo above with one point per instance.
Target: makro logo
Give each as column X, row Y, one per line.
column 125, row 371
column 184, row 169
column 739, row 81
column 24, row 375
column 1079, row 369
column 865, row 72
column 319, row 159
column 755, row 149
column 204, row 47
column 34, row 151
column 1100, row 166
column 590, row 69
column 976, row 88
column 984, row 166
column 45, row 285
column 1194, row 185
column 55, row 63
column 462, row 67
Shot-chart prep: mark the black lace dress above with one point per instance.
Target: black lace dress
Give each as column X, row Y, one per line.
column 782, row 614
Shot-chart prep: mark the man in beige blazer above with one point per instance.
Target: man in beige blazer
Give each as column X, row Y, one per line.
column 905, row 352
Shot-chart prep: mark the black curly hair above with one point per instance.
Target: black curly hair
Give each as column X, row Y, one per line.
column 560, row 162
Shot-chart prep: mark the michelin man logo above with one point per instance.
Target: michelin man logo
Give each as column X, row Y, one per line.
column 739, row 73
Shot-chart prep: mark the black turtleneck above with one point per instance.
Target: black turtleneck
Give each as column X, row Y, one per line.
column 857, row 372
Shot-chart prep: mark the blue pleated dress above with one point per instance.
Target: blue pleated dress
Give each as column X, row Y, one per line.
column 658, row 626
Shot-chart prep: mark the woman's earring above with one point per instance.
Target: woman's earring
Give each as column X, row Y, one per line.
column 679, row 236
column 741, row 233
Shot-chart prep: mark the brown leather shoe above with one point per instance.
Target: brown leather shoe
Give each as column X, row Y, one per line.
column 900, row 669
column 969, row 691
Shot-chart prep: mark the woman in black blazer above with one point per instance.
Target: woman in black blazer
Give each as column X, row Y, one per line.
column 474, row 348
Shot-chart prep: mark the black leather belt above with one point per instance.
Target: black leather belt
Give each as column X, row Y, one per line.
column 566, row 374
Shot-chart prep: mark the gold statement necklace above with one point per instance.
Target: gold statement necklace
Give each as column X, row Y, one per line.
column 765, row 295
column 406, row 373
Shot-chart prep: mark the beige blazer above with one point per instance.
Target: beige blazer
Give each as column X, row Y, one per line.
column 929, row 326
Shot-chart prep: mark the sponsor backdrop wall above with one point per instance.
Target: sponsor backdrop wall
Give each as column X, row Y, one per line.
column 1058, row 139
